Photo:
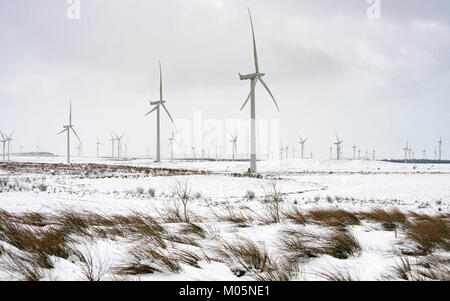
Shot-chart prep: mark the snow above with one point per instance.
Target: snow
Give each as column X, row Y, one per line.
column 307, row 184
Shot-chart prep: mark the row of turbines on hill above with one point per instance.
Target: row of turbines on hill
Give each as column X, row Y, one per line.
column 254, row 78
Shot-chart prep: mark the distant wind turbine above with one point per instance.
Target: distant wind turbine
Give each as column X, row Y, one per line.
column 98, row 148
column 254, row 78
column 354, row 152
column 171, row 143
column 406, row 149
column 68, row 128
column 440, row 148
column 234, row 145
column 302, row 143
column 112, row 145
column 338, row 147
column 3, row 141
column 119, row 139
column 157, row 105
column 9, row 139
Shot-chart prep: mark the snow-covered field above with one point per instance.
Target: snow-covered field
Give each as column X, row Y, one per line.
column 298, row 220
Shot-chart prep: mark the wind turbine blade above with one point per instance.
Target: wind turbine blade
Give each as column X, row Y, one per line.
column 10, row 136
column 160, row 82
column 61, row 132
column 154, row 109
column 76, row 134
column 255, row 54
column 250, row 94
column 167, row 111
column 271, row 95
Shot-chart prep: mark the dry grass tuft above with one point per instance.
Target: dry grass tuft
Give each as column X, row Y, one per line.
column 429, row 234
column 248, row 255
column 390, row 219
column 333, row 217
column 341, row 245
column 296, row 216
column 28, row 267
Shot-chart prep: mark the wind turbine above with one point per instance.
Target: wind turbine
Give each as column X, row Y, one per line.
column 112, row 145
column 193, row 153
column 234, row 143
column 440, row 148
column 331, row 152
column 98, row 148
column 373, row 155
column 359, row 154
column 119, row 139
column 354, row 152
column 424, row 154
column 286, row 149
column 281, row 151
column 157, row 105
column 8, row 141
column 67, row 129
column 37, row 148
column 3, row 141
column 302, row 143
column 338, row 147
column 171, row 142
column 406, row 149
column 254, row 78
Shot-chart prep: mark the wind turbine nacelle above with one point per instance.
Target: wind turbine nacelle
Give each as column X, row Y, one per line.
column 154, row 103
column 251, row 76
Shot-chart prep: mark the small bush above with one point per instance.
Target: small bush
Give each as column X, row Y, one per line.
column 152, row 192
column 250, row 195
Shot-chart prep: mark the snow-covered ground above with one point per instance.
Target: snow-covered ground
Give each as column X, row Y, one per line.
column 216, row 189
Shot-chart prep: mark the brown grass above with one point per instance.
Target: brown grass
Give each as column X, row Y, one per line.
column 250, row 256
column 429, row 234
column 296, row 216
column 341, row 245
column 333, row 217
column 382, row 216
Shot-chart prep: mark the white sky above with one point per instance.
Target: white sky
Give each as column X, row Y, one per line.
column 377, row 83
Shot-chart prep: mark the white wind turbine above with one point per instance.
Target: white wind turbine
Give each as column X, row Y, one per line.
column 234, row 143
column 98, row 148
column 68, row 128
column 119, row 139
column 338, row 147
column 406, row 149
column 3, row 141
column 171, row 143
column 9, row 139
column 354, row 152
column 157, row 105
column 440, row 148
column 112, row 145
column 302, row 143
column 254, row 78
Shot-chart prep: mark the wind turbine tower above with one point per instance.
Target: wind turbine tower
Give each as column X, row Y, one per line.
column 98, row 148
column 171, row 142
column 254, row 78
column 234, row 145
column 302, row 143
column 440, row 148
column 67, row 128
column 338, row 147
column 157, row 107
column 406, row 149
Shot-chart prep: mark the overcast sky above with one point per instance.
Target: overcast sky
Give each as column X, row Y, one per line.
column 330, row 67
